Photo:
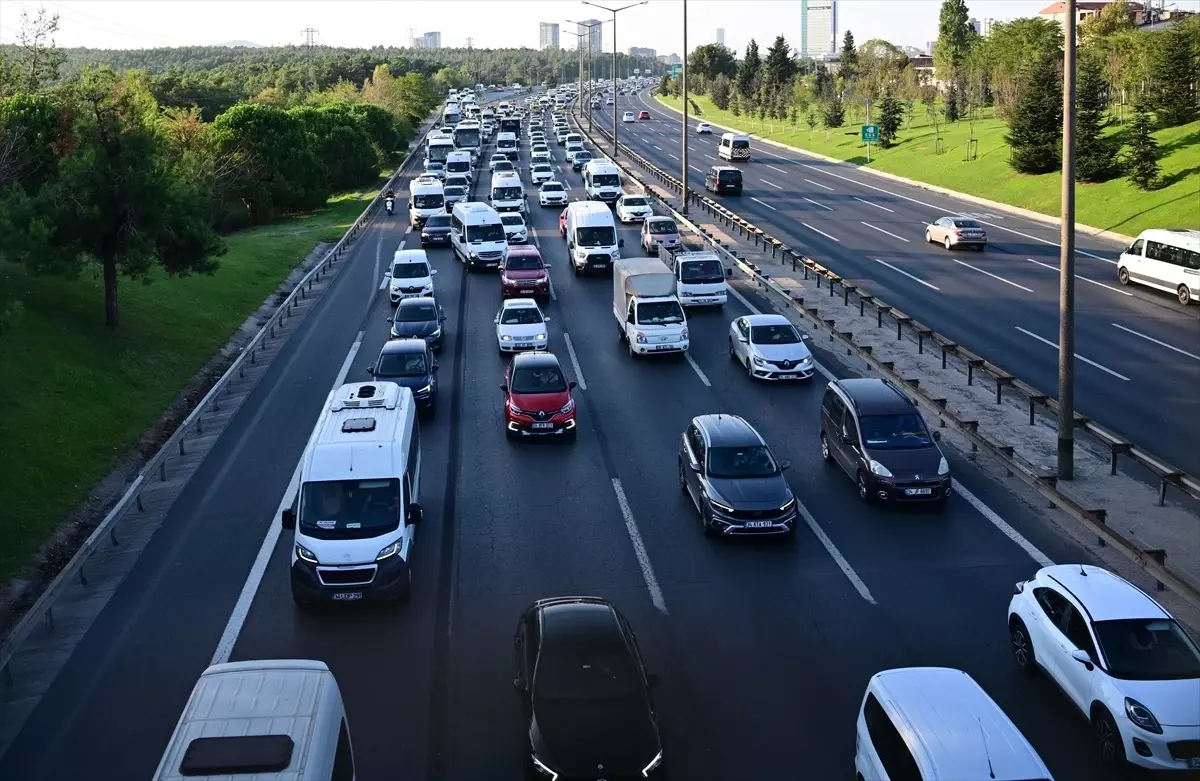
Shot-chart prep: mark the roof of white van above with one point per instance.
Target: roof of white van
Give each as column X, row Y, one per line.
column 590, row 213
column 1179, row 237
column 426, row 184
column 476, row 212
column 342, row 451
column 944, row 717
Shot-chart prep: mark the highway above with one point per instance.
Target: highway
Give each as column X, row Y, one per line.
column 764, row 647
column 1133, row 344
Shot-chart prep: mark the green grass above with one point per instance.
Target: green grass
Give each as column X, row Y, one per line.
column 74, row 396
column 1113, row 205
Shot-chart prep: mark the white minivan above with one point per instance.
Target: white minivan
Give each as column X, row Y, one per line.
column 410, row 275
column 700, row 277
column 507, row 194
column 506, row 144
column 425, row 199
column 1166, row 260
column 458, row 162
column 734, row 146
column 592, row 242
column 602, row 181
column 477, row 235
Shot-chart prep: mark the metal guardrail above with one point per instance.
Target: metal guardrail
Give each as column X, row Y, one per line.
column 155, row 468
column 1151, row 560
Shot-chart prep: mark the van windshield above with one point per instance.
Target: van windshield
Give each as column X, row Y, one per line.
column 606, row 180
column 349, row 509
column 701, row 272
column 429, row 201
column 659, row 227
column 894, row 432
column 741, row 144
column 659, row 313
column 507, row 193
column 493, row 232
column 602, row 236
column 409, row 271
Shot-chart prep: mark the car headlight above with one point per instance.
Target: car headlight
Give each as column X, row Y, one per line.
column 760, row 362
column 683, row 334
column 570, row 405
column 539, row 336
column 1140, row 715
column 653, row 764
column 428, row 288
column 943, row 467
column 505, row 338
column 879, row 469
column 788, row 505
column 428, row 388
column 514, row 409
column 388, row 551
column 472, row 254
column 305, row 554
column 641, row 339
column 541, row 768
column 719, row 507
column 436, row 333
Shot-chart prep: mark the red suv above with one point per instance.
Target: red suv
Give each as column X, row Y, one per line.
column 562, row 223
column 537, row 397
column 524, row 274
column 643, row 115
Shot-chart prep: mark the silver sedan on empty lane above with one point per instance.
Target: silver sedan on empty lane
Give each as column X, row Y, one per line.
column 953, row 232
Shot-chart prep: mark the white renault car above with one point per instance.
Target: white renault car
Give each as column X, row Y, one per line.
column 1117, row 654
column 633, row 208
column 628, row 117
column 514, row 227
column 410, row 276
column 541, row 172
column 552, row 194
column 521, row 326
column 770, row 348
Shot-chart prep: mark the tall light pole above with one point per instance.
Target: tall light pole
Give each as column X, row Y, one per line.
column 1066, row 263
column 684, row 134
column 579, row 40
column 614, row 12
column 591, row 77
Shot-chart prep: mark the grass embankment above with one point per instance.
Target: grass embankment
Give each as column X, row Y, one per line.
column 74, row 396
column 1114, row 205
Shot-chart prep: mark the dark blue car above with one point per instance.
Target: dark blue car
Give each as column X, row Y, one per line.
column 410, row 363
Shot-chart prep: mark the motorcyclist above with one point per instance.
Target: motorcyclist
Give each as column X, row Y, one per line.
column 389, row 200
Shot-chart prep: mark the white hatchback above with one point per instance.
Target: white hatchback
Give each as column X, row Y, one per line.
column 521, row 326
column 628, row 117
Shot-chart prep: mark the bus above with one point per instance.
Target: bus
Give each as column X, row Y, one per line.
column 437, row 149
column 467, row 137
column 510, row 124
column 451, row 115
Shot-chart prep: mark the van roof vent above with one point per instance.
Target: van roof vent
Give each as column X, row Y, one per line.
column 358, row 425
column 238, row 755
column 363, row 395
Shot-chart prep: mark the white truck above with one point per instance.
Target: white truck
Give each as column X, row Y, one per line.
column 700, row 277
column 649, row 316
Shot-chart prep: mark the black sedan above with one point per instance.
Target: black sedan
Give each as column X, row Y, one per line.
column 418, row 318
column 436, row 230
column 409, row 363
column 585, row 693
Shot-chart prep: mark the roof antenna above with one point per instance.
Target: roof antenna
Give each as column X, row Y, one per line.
column 1082, row 571
column 986, row 753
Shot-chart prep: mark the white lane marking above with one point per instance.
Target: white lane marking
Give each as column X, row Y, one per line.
column 773, row 168
column 1088, row 361
column 639, row 549
column 383, row 282
column 764, row 203
column 710, row 157
column 1008, row 531
column 836, row 554
column 818, row 184
column 868, row 203
column 817, row 203
column 771, row 184
column 673, row 157
column 1152, row 339
column 692, row 362
column 990, row 274
column 656, row 146
column 694, row 168
column 823, row 233
column 744, row 301
column 553, row 295
column 574, row 359
column 1084, row 279
column 408, row 230
column 905, row 273
column 241, row 608
column 881, row 230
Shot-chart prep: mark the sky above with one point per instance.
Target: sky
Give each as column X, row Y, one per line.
column 129, row 24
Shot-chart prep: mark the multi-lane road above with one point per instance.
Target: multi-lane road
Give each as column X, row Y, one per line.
column 1138, row 351
column 764, row 648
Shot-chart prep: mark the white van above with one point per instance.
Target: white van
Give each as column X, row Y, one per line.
column 1166, row 260
column 410, row 275
column 425, row 199
column 358, row 505
column 700, row 277
column 507, row 194
column 477, row 235
column 458, row 162
column 269, row 720
column 937, row 724
column 734, row 147
column 602, row 181
column 506, row 144
column 592, row 242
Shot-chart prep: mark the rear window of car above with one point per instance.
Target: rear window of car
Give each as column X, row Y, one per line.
column 966, row 224
column 730, row 176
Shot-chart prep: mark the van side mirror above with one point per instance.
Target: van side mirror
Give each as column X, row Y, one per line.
column 371, row 370
column 410, row 205
column 620, row 242
column 937, row 436
column 288, row 519
column 519, row 684
column 728, row 273
column 432, row 272
column 415, row 513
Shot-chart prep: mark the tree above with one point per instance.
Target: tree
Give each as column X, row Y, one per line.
column 849, row 59
column 811, row 121
column 955, row 37
column 749, row 73
column 719, row 91
column 1035, row 130
column 735, row 105
column 380, row 126
column 935, row 114
column 34, row 132
column 39, row 61
column 951, row 109
column 833, row 113
column 664, row 84
column 1171, row 91
column 890, row 116
column 1008, row 47
column 1141, row 159
column 1094, row 152
column 778, row 67
column 709, row 61
column 1114, row 17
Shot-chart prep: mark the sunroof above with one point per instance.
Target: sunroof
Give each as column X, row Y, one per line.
column 241, row 755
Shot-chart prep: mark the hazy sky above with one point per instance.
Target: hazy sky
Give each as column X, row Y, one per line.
column 491, row 23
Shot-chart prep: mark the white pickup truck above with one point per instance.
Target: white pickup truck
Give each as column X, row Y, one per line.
column 649, row 316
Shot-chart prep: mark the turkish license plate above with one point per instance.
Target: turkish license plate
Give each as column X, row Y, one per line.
column 346, row 596
column 758, row 524
column 1194, row 763
column 524, row 344
column 543, row 425
column 663, row 347
column 918, row 491
column 788, row 376
column 599, row 265
column 526, row 290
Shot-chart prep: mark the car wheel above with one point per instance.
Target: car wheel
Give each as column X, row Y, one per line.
column 1107, row 738
column 749, row 367
column 946, row 243
column 826, row 455
column 732, row 352
column 928, row 238
column 1123, row 275
column 1184, row 295
column 864, row 491
column 1022, row 646
column 406, row 593
column 301, row 600
column 509, row 433
column 632, row 352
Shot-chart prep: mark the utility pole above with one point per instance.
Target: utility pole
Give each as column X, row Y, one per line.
column 684, row 129
column 1066, row 263
column 614, row 12
column 470, row 71
column 309, row 34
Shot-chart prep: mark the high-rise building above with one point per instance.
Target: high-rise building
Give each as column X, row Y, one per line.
column 818, row 28
column 721, row 35
column 989, row 24
column 642, row 52
column 670, row 59
column 929, row 46
column 976, row 25
column 591, row 29
column 548, row 36
column 427, row 41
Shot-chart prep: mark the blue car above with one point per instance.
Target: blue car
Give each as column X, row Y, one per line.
column 410, row 363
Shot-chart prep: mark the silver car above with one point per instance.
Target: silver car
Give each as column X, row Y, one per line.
column 953, row 232
column 658, row 231
column 770, row 348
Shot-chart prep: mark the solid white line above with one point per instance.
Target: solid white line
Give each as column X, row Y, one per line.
column 818, row 184
column 771, row 184
column 823, row 233
column 691, row 361
column 1152, row 339
column 990, row 274
column 868, row 203
column 1085, row 279
column 881, row 230
column 764, row 203
column 1008, row 531
column 639, row 549
column 574, row 360
column 744, row 301
column 905, row 273
column 773, row 168
column 241, row 608
column 818, row 203
column 837, row 556
column 1077, row 355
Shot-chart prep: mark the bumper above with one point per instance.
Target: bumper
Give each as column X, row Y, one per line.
column 552, row 201
column 905, row 493
column 968, row 243
column 778, row 374
column 523, row 291
column 516, row 238
column 658, row 349
column 714, row 299
column 397, row 296
column 736, row 527
column 558, row 425
column 1183, row 755
column 522, row 347
column 635, row 217
column 720, row 190
column 391, row 581
column 437, row 238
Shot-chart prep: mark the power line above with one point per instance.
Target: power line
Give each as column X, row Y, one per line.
column 310, row 34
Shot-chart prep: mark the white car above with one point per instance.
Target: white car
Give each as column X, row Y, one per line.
column 540, row 154
column 770, row 347
column 1117, row 654
column 521, row 326
column 552, row 193
column 704, row 128
column 633, row 208
column 608, row 101
column 560, row 135
column 496, row 158
column 540, row 172
column 572, row 149
column 514, row 228
column 628, row 117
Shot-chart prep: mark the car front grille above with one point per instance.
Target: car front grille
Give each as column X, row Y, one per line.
column 594, row 259
column 415, row 289
column 756, row 515
column 1184, row 749
column 933, row 483
column 488, row 255
column 351, row 576
column 786, row 364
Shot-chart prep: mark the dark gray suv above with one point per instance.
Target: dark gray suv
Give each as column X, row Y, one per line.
column 877, row 435
column 733, row 478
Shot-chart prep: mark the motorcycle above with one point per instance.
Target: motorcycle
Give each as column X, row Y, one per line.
column 389, row 204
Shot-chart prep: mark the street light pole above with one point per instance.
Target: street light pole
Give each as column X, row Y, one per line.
column 614, row 12
column 1066, row 263
column 684, row 128
column 591, row 76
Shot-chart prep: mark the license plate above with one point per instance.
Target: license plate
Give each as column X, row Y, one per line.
column 787, row 376
column 918, row 491
column 758, row 524
column 346, row 596
column 599, row 265
column 662, row 347
column 526, row 290
column 543, row 425
column 1194, row 763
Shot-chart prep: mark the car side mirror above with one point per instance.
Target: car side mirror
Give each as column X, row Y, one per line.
column 697, row 468
column 442, row 317
column 547, row 265
column 805, row 338
column 436, row 366
column 1084, row 658
column 433, row 272
column 415, row 513
column 629, row 317
column 410, row 205
column 847, row 439
column 519, row 684
column 387, row 273
column 937, row 436
column 652, row 680
column 504, row 388
column 728, row 273
column 743, row 340
column 620, row 242
column 288, row 519
column 785, row 465
column 371, row 370
column 496, row 321
column 572, row 385
column 390, row 319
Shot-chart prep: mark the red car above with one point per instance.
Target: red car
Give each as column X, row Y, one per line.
column 537, row 397
column 562, row 223
column 523, row 274
column 643, row 115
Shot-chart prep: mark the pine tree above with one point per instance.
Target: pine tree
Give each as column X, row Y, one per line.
column 1094, row 152
column 735, row 105
column 811, row 121
column 1035, row 130
column 848, row 65
column 749, row 73
column 1141, row 161
column 833, row 113
column 1173, row 78
column 951, row 106
column 719, row 91
column 890, row 116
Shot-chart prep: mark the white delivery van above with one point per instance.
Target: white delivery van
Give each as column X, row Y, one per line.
column 937, row 724
column 602, row 181
column 458, row 162
column 700, row 277
column 734, row 147
column 649, row 317
column 410, row 275
column 468, row 135
column 1166, row 260
column 592, row 242
column 425, row 199
column 437, row 148
column 477, row 235
column 506, row 144
column 507, row 194
column 269, row 720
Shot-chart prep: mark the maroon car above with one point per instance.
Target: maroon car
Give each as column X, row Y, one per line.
column 524, row 275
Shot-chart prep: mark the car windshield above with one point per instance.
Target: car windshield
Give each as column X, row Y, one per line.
column 506, row 193
column 401, row 365
column 1148, row 649
column 636, row 201
column 735, row 462
column 428, row 201
column 499, row 159
column 552, row 187
column 741, row 144
column 506, row 143
column 419, row 311
column 583, row 156
column 659, row 227
column 523, row 263
column 894, row 432
column 966, row 224
column 410, row 270
column 599, row 236
column 438, row 221
column 659, row 313
column 458, row 180
column 520, row 315
column 542, row 168
column 511, row 219
column 538, row 379
column 349, row 509
column 493, row 232
column 455, row 191
column 774, row 334
column 701, row 272
column 584, row 671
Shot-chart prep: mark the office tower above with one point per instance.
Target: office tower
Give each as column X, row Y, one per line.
column 721, row 35
column 595, row 41
column 548, row 36
column 818, row 28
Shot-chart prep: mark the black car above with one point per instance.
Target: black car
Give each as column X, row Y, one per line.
column 418, row 318
column 723, row 179
column 585, row 693
column 877, row 435
column 436, row 230
column 580, row 160
column 734, row 480
column 409, row 363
